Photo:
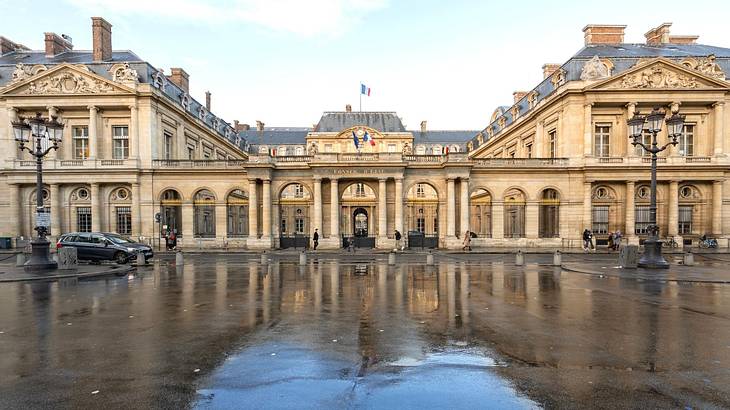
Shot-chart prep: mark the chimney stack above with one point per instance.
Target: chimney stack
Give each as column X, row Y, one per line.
column 56, row 45
column 101, row 32
column 348, row 108
column 9, row 46
column 603, row 34
column 518, row 95
column 423, row 126
column 683, row 39
column 207, row 101
column 181, row 78
column 658, row 35
column 259, row 125
column 548, row 69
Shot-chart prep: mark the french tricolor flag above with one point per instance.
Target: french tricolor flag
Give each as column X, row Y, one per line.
column 364, row 90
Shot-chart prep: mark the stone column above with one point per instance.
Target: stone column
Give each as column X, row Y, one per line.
column 136, row 210
column 464, row 211
column 266, row 210
column 532, row 219
column 10, row 147
column 630, row 229
column 587, row 206
column 450, row 208
column 539, row 140
column 188, row 221
column 587, row 129
column 95, row 208
column 253, row 210
column 399, row 205
column 317, row 206
column 382, row 209
column 133, row 132
column 497, row 219
column 15, row 221
column 673, row 211
column 56, row 228
column 221, row 222
column 93, row 142
column 719, row 127
column 717, row 208
column 334, row 208
column 181, row 142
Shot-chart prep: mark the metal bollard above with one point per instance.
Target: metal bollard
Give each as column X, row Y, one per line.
column 179, row 260
column 20, row 259
column 557, row 258
column 689, row 259
column 141, row 260
column 429, row 259
column 302, row 258
column 519, row 258
column 391, row 258
column 264, row 259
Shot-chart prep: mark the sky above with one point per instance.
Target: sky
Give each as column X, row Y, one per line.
column 284, row 62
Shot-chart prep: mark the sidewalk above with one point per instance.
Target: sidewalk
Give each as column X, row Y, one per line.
column 713, row 272
column 11, row 273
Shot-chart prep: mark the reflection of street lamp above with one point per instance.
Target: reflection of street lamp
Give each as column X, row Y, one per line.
column 40, row 129
column 652, row 257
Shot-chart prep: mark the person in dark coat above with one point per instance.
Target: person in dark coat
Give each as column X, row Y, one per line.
column 315, row 239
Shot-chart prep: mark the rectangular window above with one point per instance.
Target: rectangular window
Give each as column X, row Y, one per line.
column 686, row 141
column 168, row 145
column 191, row 152
column 283, row 225
column 421, row 225
column 207, row 153
column 420, row 191
column 83, row 219
column 120, row 142
column 124, row 220
column 327, row 147
column 646, row 139
column 528, row 149
column 80, row 142
column 553, row 143
column 601, row 140
column 299, row 225
column 642, row 220
column 600, row 219
column 685, row 219
column 298, row 191
column 391, row 148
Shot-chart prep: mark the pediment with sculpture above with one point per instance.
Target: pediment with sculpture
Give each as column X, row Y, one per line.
column 62, row 80
column 660, row 73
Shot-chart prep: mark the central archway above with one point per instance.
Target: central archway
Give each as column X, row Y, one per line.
column 359, row 207
column 360, row 222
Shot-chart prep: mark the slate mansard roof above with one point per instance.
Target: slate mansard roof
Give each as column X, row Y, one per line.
column 145, row 71
column 623, row 56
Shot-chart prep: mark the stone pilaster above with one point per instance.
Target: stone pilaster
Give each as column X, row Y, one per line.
column 334, row 209
column 56, row 228
column 450, row 208
column 266, row 210
column 14, row 218
column 630, row 227
column 95, row 208
column 717, row 208
column 532, row 219
column 587, row 129
column 673, row 211
column 399, row 205
column 253, row 211
column 464, row 206
column 497, row 219
column 93, row 135
column 382, row 209
column 587, row 206
column 317, row 206
column 136, row 210
column 133, row 132
column 188, row 221
column 719, row 113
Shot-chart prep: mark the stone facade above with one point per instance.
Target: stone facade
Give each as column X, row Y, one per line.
column 556, row 162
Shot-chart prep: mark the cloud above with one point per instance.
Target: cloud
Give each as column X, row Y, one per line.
column 302, row 17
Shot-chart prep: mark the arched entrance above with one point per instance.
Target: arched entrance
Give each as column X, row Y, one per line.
column 360, row 222
column 359, row 208
column 422, row 216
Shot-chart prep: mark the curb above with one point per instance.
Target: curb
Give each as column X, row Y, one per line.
column 79, row 276
column 644, row 278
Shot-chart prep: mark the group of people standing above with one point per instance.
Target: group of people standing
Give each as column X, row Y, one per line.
column 614, row 240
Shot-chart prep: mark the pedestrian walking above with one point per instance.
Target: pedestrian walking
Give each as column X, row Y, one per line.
column 315, row 239
column 587, row 240
column 610, row 241
column 467, row 241
column 173, row 239
column 351, row 244
column 617, row 239
column 398, row 238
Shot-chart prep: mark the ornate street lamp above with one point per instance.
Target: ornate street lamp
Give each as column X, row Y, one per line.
column 652, row 257
column 40, row 129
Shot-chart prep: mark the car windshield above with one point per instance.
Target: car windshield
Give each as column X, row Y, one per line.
column 119, row 239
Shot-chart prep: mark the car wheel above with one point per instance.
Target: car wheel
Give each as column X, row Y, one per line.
column 121, row 258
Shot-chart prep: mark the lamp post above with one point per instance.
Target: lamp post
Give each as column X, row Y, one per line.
column 652, row 257
column 35, row 131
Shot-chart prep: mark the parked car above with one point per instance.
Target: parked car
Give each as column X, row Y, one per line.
column 99, row 246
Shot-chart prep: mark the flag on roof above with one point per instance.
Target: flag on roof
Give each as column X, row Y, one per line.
column 368, row 138
column 364, row 90
column 355, row 140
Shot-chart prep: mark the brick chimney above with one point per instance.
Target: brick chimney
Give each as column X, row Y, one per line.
column 56, row 45
column 348, row 108
column 658, row 35
column 259, row 125
column 548, row 69
column 9, row 46
column 243, row 127
column 423, row 126
column 683, row 39
column 207, row 101
column 603, row 34
column 180, row 77
column 518, row 95
column 101, row 32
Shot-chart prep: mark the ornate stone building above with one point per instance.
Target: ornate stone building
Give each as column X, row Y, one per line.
column 556, row 161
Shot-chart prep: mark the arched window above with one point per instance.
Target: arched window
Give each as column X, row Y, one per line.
column 237, row 213
column 422, row 209
column 120, row 209
column 514, row 214
column 550, row 214
column 81, row 207
column 204, row 214
column 480, row 203
column 294, row 202
column 299, row 151
column 170, row 213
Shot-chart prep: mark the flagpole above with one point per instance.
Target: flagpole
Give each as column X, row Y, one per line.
column 360, row 100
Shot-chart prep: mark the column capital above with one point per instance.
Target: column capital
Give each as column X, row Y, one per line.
column 718, row 181
column 399, row 179
column 588, row 104
column 674, row 106
column 382, row 179
column 630, row 181
column 334, row 180
column 317, row 179
column 252, row 180
column 718, row 104
column 266, row 181
column 132, row 106
column 92, row 108
column 52, row 109
column 464, row 179
column 631, row 105
column 450, row 179
column 94, row 184
column 135, row 184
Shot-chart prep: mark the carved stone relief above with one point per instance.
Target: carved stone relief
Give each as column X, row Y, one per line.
column 159, row 80
column 68, row 83
column 705, row 65
column 23, row 72
column 657, row 77
column 123, row 73
column 185, row 101
column 594, row 69
column 558, row 78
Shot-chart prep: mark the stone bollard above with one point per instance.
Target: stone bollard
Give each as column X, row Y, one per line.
column 302, row 258
column 141, row 260
column 429, row 259
column 20, row 259
column 689, row 259
column 179, row 260
column 68, row 258
column 264, row 259
column 519, row 258
column 391, row 258
column 557, row 258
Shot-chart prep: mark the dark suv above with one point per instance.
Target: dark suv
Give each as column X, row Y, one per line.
column 93, row 246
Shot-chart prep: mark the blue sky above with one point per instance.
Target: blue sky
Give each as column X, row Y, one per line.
column 284, row 62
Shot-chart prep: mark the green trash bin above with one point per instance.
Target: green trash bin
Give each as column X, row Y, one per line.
column 5, row 243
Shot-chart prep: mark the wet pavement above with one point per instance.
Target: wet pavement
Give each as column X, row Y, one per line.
column 474, row 331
